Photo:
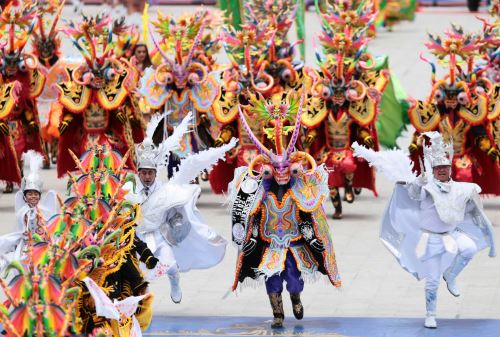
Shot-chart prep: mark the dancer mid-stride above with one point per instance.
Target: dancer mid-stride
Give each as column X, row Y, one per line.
column 279, row 223
column 171, row 224
column 433, row 226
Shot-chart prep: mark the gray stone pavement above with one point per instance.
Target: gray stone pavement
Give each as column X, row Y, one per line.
column 374, row 284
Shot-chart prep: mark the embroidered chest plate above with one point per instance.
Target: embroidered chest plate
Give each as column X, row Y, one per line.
column 74, row 97
column 279, row 221
column 475, row 114
column 338, row 131
column 37, row 82
column 95, row 118
column 180, row 106
column 114, row 93
column 203, row 96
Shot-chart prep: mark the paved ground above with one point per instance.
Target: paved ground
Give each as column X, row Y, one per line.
column 374, row 284
column 320, row 326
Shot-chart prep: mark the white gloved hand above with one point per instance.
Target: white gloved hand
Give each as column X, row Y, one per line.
column 421, row 180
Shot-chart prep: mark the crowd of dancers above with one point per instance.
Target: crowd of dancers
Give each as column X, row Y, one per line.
column 145, row 113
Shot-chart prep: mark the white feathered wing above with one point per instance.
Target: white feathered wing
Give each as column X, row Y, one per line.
column 193, row 164
column 173, row 141
column 394, row 164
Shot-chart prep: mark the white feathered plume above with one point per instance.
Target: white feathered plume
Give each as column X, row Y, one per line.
column 173, row 141
column 151, row 156
column 438, row 152
column 152, row 125
column 394, row 164
column 193, row 164
column 32, row 164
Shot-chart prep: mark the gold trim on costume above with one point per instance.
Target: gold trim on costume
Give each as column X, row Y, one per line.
column 114, row 92
column 476, row 113
column 7, row 101
column 424, row 116
column 72, row 96
column 315, row 112
column 363, row 112
column 37, row 83
column 494, row 106
column 225, row 107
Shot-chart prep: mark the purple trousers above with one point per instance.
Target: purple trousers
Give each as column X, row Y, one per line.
column 291, row 274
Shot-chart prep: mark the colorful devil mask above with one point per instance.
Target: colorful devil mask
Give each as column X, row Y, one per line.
column 284, row 162
column 461, row 85
column 16, row 25
column 345, row 13
column 183, row 37
column 347, row 59
column 93, row 37
column 47, row 45
column 261, row 50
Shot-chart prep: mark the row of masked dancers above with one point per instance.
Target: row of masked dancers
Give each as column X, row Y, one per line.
column 279, row 137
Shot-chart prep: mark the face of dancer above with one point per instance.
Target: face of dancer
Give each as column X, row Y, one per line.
column 442, row 173
column 147, row 176
column 140, row 53
column 32, row 198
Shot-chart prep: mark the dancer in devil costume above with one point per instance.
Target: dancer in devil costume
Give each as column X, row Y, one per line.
column 46, row 47
column 184, row 81
column 344, row 96
column 96, row 104
column 21, row 83
column 279, row 223
column 263, row 61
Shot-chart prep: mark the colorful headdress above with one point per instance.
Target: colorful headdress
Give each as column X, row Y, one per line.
column 47, row 44
column 345, row 40
column 93, row 37
column 16, row 25
column 455, row 49
column 284, row 160
column 342, row 14
column 346, row 56
column 490, row 48
column 91, row 237
column 438, row 153
column 245, row 48
column 150, row 156
column 183, row 38
column 276, row 15
column 178, row 35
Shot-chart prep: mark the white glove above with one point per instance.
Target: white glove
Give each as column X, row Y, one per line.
column 421, row 180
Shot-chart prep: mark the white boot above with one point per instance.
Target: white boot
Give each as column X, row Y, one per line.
column 430, row 306
column 450, row 275
column 430, row 322
column 175, row 288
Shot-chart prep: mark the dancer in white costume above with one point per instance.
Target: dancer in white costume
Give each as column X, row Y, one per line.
column 433, row 226
column 31, row 209
column 171, row 224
